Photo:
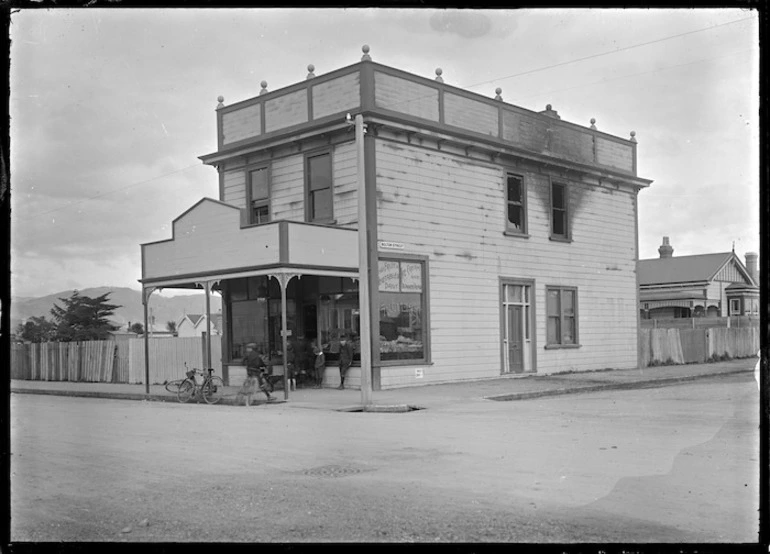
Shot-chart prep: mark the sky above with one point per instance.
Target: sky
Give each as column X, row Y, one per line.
column 110, row 109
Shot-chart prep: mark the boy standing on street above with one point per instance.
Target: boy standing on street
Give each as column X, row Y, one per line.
column 319, row 365
column 346, row 358
column 256, row 374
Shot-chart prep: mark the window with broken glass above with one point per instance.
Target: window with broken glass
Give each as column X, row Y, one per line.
column 515, row 196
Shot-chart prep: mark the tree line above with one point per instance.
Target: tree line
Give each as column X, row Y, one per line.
column 79, row 318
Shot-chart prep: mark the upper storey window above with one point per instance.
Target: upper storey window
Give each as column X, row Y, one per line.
column 559, row 212
column 259, row 196
column 318, row 171
column 515, row 195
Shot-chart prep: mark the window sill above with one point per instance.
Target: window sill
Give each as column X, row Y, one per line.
column 560, row 346
column 396, row 363
column 323, row 222
column 509, row 233
column 557, row 238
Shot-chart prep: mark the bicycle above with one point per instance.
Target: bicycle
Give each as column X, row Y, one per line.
column 210, row 388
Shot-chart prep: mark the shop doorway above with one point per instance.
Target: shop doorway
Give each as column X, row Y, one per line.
column 516, row 331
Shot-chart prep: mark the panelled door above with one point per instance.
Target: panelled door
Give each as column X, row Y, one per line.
column 515, row 339
column 517, row 348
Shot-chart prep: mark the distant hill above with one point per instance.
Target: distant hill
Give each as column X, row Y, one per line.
column 162, row 308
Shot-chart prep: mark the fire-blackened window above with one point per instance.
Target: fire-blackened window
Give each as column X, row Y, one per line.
column 559, row 211
column 516, row 205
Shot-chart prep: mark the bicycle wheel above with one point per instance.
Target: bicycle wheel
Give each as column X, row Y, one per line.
column 173, row 386
column 186, row 390
column 213, row 389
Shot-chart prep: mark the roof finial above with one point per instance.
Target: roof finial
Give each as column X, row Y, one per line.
column 220, row 99
column 310, row 69
column 366, row 57
column 733, row 247
column 439, row 71
column 498, row 92
column 264, row 88
column 593, row 123
column 633, row 136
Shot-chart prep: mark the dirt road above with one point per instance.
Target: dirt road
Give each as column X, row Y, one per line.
column 676, row 464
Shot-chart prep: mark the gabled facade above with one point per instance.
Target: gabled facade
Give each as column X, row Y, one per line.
column 710, row 285
column 194, row 325
column 502, row 241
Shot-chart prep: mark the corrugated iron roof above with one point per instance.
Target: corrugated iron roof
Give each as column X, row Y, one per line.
column 681, row 269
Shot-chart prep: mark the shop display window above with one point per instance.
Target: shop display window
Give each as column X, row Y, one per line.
column 401, row 309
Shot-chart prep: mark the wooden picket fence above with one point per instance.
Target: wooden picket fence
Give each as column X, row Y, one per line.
column 92, row 361
column 701, row 322
column 686, row 346
column 168, row 357
column 113, row 361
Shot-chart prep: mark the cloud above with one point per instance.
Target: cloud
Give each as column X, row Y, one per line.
column 463, row 23
column 93, row 118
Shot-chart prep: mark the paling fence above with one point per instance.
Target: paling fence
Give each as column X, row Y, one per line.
column 685, row 346
column 92, row 361
column 112, row 361
column 168, row 357
column 700, row 322
column 122, row 360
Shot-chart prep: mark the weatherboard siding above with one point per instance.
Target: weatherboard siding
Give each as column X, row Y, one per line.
column 336, row 95
column 242, row 124
column 287, row 186
column 345, row 184
column 470, row 114
column 451, row 209
column 285, row 111
column 235, row 188
column 210, row 233
column 405, row 96
column 614, row 154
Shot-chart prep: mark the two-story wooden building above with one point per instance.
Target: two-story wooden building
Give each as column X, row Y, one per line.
column 502, row 241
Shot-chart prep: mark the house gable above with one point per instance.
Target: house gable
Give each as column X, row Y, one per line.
column 733, row 271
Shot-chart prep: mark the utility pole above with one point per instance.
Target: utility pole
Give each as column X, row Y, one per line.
column 363, row 270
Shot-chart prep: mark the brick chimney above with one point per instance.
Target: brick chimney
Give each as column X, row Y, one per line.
column 665, row 250
column 752, row 266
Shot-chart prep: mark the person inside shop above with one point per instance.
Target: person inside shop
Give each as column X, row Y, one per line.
column 256, row 375
column 319, row 365
column 346, row 358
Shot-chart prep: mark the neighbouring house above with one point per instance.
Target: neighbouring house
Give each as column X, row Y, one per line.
column 194, row 325
column 704, row 285
column 501, row 240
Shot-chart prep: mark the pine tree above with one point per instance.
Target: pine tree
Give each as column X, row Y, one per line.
column 83, row 318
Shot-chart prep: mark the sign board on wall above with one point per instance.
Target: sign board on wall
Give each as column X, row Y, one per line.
column 387, row 245
column 389, row 275
column 411, row 277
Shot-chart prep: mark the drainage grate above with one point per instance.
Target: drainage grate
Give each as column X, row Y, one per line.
column 382, row 409
column 332, row 471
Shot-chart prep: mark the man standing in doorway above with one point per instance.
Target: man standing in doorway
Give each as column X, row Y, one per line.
column 346, row 358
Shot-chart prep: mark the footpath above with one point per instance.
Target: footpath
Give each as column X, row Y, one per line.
column 507, row 388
